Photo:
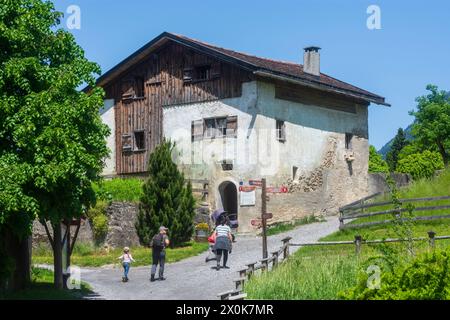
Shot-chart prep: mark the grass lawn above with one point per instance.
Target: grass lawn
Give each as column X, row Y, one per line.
column 284, row 227
column 322, row 272
column 41, row 288
column 129, row 189
column 89, row 256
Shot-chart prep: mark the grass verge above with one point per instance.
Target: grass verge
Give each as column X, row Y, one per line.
column 41, row 288
column 90, row 256
column 284, row 227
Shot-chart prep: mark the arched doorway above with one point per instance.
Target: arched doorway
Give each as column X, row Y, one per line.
column 229, row 196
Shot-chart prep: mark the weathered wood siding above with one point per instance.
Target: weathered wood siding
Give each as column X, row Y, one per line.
column 162, row 75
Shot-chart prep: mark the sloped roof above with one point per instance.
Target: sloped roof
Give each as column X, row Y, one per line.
column 260, row 66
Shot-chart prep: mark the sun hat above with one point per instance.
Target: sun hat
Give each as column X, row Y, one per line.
column 126, row 249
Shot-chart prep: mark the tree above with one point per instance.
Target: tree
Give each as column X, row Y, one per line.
column 398, row 144
column 167, row 200
column 52, row 140
column 376, row 162
column 432, row 123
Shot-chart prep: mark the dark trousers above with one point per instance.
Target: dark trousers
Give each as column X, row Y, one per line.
column 159, row 258
column 219, row 253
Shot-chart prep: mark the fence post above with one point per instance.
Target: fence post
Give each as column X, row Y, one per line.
column 275, row 259
column 265, row 264
column 431, row 235
column 286, row 247
column 358, row 241
column 341, row 221
column 251, row 270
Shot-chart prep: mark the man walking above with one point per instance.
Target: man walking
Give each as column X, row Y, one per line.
column 159, row 244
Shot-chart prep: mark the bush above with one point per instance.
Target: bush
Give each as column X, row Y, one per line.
column 421, row 165
column 99, row 219
column 166, row 201
column 376, row 162
column 425, row 278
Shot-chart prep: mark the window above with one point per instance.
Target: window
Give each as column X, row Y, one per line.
column 203, row 73
column 139, row 140
column 211, row 128
column 215, row 128
column 281, row 130
column 348, row 141
column 139, row 87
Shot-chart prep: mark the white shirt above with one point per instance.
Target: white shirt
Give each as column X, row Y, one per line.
column 223, row 231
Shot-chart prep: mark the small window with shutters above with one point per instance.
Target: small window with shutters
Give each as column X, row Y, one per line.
column 139, row 140
column 212, row 128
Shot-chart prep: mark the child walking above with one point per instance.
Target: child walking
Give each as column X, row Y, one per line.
column 126, row 262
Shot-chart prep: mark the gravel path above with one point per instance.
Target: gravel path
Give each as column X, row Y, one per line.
column 192, row 278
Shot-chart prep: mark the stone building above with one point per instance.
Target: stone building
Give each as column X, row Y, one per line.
column 237, row 118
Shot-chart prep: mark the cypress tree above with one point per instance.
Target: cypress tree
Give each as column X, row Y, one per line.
column 166, row 201
column 398, row 144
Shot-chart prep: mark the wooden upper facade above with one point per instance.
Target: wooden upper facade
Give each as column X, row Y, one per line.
column 174, row 70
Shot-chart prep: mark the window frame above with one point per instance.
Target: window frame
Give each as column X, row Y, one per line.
column 143, row 142
column 349, row 141
column 280, row 127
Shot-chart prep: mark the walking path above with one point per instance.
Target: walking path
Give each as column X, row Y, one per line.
column 192, row 278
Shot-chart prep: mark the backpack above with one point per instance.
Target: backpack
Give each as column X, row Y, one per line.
column 158, row 242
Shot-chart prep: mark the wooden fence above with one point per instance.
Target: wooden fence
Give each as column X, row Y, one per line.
column 282, row 255
column 264, row 265
column 358, row 209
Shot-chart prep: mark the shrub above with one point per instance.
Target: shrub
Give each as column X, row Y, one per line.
column 425, row 278
column 167, row 200
column 118, row 189
column 421, row 165
column 99, row 219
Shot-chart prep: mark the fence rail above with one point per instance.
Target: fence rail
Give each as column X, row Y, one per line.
column 356, row 210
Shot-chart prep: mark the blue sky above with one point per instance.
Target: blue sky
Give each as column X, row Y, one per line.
column 411, row 50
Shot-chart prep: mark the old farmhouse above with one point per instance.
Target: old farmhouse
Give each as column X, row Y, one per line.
column 237, row 118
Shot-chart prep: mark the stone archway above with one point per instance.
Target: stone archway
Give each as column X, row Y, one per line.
column 229, row 197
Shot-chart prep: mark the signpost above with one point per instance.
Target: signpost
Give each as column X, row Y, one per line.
column 264, row 217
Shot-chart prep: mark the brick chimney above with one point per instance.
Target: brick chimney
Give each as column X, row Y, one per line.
column 311, row 60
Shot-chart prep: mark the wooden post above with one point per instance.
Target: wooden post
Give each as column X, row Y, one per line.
column 251, row 270
column 286, row 247
column 275, row 259
column 358, row 241
column 341, row 221
column 431, row 235
column 263, row 216
column 265, row 264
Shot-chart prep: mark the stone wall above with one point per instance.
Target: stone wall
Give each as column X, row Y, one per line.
column 377, row 181
column 39, row 236
column 121, row 225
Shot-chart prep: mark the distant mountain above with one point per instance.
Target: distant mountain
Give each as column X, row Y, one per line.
column 387, row 147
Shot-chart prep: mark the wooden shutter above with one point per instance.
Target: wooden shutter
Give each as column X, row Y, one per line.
column 215, row 70
column 128, row 89
column 197, row 130
column 232, row 126
column 127, row 142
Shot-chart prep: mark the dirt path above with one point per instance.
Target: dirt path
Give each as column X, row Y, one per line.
column 192, row 278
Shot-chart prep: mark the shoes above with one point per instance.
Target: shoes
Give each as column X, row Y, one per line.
column 161, row 279
column 152, row 279
column 226, row 267
column 218, row 268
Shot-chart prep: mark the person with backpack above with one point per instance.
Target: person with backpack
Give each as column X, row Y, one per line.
column 222, row 245
column 159, row 244
column 126, row 258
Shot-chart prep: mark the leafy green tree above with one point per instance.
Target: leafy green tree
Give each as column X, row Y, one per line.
column 52, row 140
column 421, row 165
column 167, row 200
column 376, row 162
column 432, row 123
column 398, row 144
